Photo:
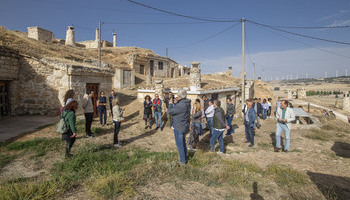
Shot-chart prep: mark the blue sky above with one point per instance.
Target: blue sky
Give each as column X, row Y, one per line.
column 276, row 54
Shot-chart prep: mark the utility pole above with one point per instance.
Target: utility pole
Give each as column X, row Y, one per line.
column 99, row 45
column 254, row 71
column 166, row 52
column 291, row 76
column 306, row 75
column 243, row 59
column 297, row 76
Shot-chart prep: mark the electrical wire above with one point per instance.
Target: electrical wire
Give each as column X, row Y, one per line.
column 155, row 23
column 298, row 34
column 207, row 38
column 181, row 15
column 305, row 44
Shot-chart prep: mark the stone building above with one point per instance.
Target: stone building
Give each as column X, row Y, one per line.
column 40, row 34
column 37, row 86
column 195, row 88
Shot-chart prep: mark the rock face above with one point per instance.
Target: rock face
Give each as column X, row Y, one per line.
column 195, row 77
column 38, row 86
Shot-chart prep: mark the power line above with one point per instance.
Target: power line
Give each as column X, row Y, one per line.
column 310, row 27
column 324, row 50
column 205, row 39
column 298, row 34
column 181, row 15
column 156, row 23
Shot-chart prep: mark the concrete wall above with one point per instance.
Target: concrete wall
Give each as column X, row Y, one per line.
column 118, row 78
column 40, row 34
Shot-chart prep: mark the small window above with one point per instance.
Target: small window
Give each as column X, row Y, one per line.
column 142, row 69
column 160, row 65
column 214, row 96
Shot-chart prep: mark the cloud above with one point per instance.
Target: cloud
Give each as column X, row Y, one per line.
column 339, row 13
column 341, row 23
column 283, row 63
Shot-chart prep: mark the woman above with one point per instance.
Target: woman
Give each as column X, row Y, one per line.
column 69, row 95
column 196, row 127
column 117, row 120
column 269, row 101
column 265, row 107
column 101, row 107
column 68, row 114
column 147, row 112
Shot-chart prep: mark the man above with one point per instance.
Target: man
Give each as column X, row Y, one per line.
column 258, row 110
column 157, row 109
column 205, row 102
column 284, row 116
column 166, row 101
column 180, row 113
column 111, row 97
column 219, row 127
column 209, row 112
column 249, row 120
column 88, row 112
column 230, row 111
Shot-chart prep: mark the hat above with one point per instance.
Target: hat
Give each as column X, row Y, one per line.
column 255, row 99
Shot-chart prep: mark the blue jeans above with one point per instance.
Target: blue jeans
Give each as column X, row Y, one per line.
column 158, row 118
column 217, row 135
column 180, row 140
column 102, row 111
column 286, row 131
column 249, row 133
column 229, row 124
column 200, row 129
column 264, row 113
column 210, row 121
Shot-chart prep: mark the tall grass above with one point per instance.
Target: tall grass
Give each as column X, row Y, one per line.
column 38, row 145
column 5, row 159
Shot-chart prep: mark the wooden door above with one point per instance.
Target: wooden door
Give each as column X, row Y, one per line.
column 151, row 67
column 93, row 87
column 4, row 99
column 172, row 72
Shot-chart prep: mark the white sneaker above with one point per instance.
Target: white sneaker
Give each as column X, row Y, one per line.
column 117, row 145
column 172, row 127
column 220, row 153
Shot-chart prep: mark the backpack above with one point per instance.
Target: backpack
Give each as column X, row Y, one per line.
column 62, row 126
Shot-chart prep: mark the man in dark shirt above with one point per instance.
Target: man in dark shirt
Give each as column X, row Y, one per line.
column 230, row 111
column 112, row 96
column 166, row 101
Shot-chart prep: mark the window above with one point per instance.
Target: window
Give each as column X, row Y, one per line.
column 160, row 65
column 142, row 69
column 214, row 96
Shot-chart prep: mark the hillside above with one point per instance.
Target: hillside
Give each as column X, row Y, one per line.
column 18, row 41
column 317, row 166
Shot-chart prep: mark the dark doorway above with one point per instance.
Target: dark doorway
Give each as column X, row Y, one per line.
column 151, row 67
column 215, row 96
column 93, row 87
column 142, row 69
column 4, row 99
column 172, row 72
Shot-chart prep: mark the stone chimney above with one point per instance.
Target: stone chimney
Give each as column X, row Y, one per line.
column 195, row 77
column 97, row 34
column 229, row 72
column 159, row 88
column 114, row 39
column 70, row 36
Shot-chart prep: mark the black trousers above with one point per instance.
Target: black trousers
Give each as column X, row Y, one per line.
column 110, row 104
column 88, row 121
column 116, row 131
column 69, row 140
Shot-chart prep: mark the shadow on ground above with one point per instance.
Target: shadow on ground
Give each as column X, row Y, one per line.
column 341, row 149
column 332, row 187
column 255, row 195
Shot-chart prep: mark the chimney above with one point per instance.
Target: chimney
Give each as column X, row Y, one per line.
column 70, row 36
column 229, row 73
column 195, row 77
column 114, row 39
column 97, row 34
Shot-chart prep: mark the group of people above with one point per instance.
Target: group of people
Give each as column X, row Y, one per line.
column 68, row 113
column 182, row 118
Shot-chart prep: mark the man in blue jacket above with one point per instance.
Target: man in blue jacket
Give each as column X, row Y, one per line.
column 249, row 120
column 258, row 111
column 180, row 113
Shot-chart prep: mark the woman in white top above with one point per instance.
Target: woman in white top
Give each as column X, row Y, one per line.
column 117, row 120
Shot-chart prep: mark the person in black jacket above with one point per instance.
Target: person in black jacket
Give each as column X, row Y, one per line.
column 258, row 110
column 147, row 112
column 180, row 113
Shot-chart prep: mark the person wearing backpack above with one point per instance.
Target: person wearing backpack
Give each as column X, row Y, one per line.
column 68, row 114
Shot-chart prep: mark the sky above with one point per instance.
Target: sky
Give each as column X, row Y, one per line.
column 215, row 43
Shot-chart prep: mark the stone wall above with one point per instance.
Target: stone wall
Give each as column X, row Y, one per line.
column 195, row 77
column 40, row 34
column 9, row 64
